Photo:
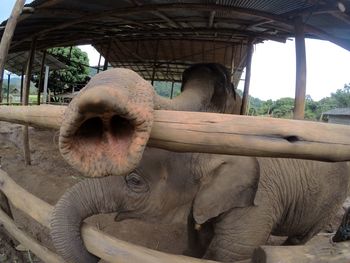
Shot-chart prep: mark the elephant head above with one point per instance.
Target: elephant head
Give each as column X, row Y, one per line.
column 105, row 131
column 165, row 187
column 107, row 125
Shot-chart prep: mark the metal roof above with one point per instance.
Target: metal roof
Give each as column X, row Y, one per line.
column 338, row 111
column 16, row 62
column 164, row 36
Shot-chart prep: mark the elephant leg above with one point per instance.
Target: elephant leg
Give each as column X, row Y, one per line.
column 239, row 232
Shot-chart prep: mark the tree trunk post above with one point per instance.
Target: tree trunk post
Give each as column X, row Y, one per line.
column 46, row 80
column 7, row 37
column 105, row 65
column 172, row 90
column 22, row 82
column 41, row 76
column 26, row 89
column 8, row 88
column 99, row 63
column 250, row 50
column 300, row 80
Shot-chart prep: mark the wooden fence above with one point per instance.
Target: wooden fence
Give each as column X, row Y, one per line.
column 179, row 131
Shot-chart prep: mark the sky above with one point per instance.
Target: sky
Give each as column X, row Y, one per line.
column 273, row 66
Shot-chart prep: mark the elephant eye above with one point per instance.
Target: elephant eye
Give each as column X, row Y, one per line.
column 136, row 183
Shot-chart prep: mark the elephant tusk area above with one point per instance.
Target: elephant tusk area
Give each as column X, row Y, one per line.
column 220, row 133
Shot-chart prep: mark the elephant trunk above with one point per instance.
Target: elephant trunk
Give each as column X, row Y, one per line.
column 89, row 197
column 107, row 125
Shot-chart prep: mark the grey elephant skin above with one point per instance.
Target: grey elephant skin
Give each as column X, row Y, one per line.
column 231, row 203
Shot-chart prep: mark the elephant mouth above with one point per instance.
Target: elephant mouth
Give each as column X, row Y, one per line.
column 122, row 215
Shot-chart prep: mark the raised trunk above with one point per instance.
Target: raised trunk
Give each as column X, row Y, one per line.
column 195, row 96
column 108, row 124
column 89, row 197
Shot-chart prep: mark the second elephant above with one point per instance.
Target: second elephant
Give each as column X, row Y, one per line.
column 241, row 200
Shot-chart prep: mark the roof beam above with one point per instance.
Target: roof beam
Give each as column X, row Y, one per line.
column 190, row 7
column 211, row 18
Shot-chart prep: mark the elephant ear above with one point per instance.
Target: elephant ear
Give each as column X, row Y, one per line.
column 230, row 184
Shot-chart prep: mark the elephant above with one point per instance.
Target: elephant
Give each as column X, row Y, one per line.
column 239, row 201
column 231, row 203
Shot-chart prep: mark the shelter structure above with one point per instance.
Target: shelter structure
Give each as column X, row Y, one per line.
column 159, row 39
column 337, row 116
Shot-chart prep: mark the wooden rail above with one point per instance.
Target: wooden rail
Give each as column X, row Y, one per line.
column 103, row 245
column 220, row 133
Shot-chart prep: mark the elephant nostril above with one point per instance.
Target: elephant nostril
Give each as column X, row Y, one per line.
column 91, row 129
column 121, row 128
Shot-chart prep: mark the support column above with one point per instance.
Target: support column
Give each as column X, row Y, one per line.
column 250, row 50
column 8, row 88
column 99, row 63
column 45, row 84
column 7, row 37
column 22, row 86
column 105, row 65
column 172, row 90
column 300, row 80
column 41, row 76
column 155, row 62
column 26, row 148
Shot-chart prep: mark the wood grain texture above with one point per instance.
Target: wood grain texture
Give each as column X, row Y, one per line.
column 220, row 133
column 318, row 250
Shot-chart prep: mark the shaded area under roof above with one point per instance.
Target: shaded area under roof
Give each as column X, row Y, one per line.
column 16, row 62
column 159, row 38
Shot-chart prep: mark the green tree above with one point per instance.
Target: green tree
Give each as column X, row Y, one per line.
column 283, row 108
column 75, row 75
column 342, row 96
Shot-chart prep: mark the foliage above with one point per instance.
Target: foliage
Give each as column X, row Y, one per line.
column 163, row 88
column 75, row 76
column 283, row 108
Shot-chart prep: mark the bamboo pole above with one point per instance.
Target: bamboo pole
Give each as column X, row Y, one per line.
column 7, row 37
column 300, row 78
column 220, row 133
column 245, row 98
column 103, row 245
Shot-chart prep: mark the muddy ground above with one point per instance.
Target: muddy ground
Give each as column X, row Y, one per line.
column 48, row 178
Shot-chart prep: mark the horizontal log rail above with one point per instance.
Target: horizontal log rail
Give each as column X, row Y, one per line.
column 101, row 244
column 220, row 133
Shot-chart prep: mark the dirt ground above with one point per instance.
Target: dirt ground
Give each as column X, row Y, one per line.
column 49, row 177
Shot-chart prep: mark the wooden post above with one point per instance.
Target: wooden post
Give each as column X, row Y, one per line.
column 250, row 50
column 26, row 148
column 172, row 90
column 45, row 84
column 8, row 88
column 105, row 65
column 7, row 37
column 154, row 62
column 99, row 63
column 41, row 76
column 300, row 80
column 22, row 81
